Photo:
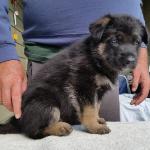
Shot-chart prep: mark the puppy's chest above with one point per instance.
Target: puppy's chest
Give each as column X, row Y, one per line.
column 102, row 81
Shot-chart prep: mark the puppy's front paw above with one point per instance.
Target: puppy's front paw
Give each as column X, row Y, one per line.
column 99, row 129
column 103, row 130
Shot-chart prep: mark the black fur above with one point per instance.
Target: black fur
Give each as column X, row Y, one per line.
column 75, row 68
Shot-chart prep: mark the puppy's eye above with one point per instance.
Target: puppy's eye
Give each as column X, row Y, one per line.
column 114, row 41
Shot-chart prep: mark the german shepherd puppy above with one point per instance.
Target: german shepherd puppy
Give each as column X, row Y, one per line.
column 69, row 87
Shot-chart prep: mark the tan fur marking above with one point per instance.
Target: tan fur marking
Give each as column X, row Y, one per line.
column 92, row 122
column 56, row 115
column 58, row 129
column 101, row 49
column 102, row 80
column 104, row 21
column 89, row 114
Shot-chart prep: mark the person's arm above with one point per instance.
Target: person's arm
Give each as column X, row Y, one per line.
column 141, row 77
column 12, row 77
column 7, row 45
column 141, row 72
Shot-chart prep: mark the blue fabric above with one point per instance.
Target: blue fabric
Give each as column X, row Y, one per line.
column 7, row 45
column 59, row 22
column 123, row 85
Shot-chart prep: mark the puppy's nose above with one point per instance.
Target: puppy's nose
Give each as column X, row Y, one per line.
column 130, row 59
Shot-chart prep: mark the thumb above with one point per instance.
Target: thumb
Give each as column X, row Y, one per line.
column 135, row 83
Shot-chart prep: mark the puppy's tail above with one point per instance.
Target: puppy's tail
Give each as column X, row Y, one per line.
column 12, row 126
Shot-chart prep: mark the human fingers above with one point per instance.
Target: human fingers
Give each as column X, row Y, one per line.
column 140, row 97
column 16, row 98
column 24, row 84
column 0, row 95
column 135, row 82
column 6, row 96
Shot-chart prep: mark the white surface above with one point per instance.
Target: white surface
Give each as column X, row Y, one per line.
column 132, row 113
column 124, row 136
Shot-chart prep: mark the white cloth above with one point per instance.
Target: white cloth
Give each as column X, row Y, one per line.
column 132, row 113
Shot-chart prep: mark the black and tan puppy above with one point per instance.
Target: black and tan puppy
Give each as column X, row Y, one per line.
column 69, row 87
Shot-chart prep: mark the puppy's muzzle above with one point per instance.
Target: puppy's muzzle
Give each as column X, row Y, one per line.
column 128, row 61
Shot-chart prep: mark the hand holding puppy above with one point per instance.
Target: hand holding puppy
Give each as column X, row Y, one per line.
column 141, row 77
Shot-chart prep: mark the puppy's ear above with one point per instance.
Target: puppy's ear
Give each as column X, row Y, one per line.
column 97, row 28
column 145, row 35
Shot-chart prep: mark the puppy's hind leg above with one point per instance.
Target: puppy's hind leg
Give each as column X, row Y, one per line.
column 57, row 127
column 42, row 121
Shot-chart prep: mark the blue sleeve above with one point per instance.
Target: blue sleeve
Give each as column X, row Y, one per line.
column 140, row 13
column 141, row 18
column 7, row 45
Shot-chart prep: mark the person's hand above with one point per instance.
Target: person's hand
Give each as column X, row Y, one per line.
column 141, row 77
column 12, row 84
